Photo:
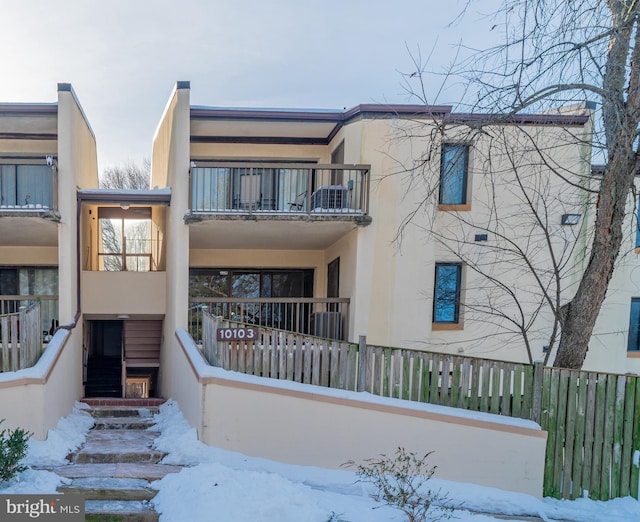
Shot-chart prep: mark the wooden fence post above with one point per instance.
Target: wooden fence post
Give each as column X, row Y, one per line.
column 538, row 371
column 363, row 364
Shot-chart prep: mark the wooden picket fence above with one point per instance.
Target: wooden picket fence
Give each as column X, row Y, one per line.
column 20, row 338
column 592, row 419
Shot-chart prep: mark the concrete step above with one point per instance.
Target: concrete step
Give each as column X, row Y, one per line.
column 123, row 445
column 122, row 423
column 117, row 510
column 149, row 472
column 113, row 401
column 100, row 412
column 107, row 488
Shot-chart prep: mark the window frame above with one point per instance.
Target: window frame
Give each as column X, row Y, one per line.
column 461, row 203
column 633, row 347
column 456, row 322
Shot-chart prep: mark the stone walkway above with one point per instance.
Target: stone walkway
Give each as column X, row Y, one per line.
column 114, row 469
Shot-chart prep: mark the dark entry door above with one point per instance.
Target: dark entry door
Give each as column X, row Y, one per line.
column 104, row 360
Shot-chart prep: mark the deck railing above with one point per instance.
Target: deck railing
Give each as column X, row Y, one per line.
column 323, row 317
column 28, row 187
column 11, row 304
column 289, row 188
column 20, row 338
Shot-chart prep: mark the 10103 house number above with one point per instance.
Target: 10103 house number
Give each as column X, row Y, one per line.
column 237, row 334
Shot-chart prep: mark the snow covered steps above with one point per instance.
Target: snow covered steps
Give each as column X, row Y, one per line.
column 114, row 468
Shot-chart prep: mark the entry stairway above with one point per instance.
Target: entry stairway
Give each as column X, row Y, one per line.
column 114, row 468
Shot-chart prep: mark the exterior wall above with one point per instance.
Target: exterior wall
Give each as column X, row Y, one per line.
column 134, row 293
column 77, row 167
column 395, row 280
column 608, row 347
column 314, row 426
column 29, row 256
column 170, row 167
column 36, row 398
column 319, row 153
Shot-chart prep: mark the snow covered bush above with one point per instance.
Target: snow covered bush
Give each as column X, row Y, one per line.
column 13, row 449
column 400, row 481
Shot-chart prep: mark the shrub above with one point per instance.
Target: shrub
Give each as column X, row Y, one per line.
column 13, row 449
column 400, row 481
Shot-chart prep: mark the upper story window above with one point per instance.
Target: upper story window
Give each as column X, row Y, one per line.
column 633, row 344
column 126, row 240
column 454, row 169
column 446, row 294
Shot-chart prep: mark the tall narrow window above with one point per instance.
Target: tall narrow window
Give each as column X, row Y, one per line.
column 634, row 326
column 453, row 174
column 446, row 294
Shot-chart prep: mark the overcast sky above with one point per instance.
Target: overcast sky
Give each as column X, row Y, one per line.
column 123, row 57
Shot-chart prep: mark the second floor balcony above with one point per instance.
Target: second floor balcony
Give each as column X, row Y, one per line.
column 279, row 191
column 27, row 187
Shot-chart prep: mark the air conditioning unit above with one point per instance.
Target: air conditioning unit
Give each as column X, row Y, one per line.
column 327, row 325
column 330, row 197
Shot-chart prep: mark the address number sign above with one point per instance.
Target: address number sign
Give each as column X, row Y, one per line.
column 237, row 334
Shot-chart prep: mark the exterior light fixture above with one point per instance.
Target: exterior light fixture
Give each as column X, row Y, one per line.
column 570, row 219
column 124, row 206
column 193, row 165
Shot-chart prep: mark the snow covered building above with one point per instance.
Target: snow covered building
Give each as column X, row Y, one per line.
column 401, row 222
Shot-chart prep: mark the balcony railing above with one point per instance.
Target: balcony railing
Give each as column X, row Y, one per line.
column 28, row 187
column 284, row 188
column 11, row 304
column 321, row 317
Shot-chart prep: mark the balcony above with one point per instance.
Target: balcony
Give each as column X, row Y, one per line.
column 276, row 205
column 321, row 317
column 28, row 193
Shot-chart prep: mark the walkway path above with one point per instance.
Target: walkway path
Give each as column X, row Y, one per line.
column 114, row 468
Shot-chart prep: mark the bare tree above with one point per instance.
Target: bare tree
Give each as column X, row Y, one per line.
column 554, row 53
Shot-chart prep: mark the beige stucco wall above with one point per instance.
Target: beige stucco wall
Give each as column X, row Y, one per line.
column 36, row 398
column 29, row 256
column 170, row 167
column 77, row 168
column 608, row 346
column 315, row 426
column 393, row 280
column 118, row 293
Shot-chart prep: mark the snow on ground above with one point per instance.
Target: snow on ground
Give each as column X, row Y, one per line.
column 232, row 486
column 227, row 486
column 67, row 436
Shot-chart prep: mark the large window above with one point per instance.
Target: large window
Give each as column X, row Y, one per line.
column 453, row 174
column 126, row 241
column 634, row 326
column 446, row 294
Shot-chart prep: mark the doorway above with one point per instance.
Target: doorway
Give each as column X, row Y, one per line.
column 103, row 345
column 122, row 357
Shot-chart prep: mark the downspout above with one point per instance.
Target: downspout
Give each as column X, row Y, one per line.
column 76, row 317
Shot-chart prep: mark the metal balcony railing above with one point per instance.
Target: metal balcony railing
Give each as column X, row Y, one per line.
column 285, row 188
column 326, row 317
column 28, row 187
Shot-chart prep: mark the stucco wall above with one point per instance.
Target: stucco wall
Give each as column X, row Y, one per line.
column 36, row 398
column 124, row 292
column 315, row 426
column 31, row 256
column 77, row 167
column 170, row 167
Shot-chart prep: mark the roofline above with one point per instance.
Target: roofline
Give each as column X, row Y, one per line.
column 382, row 110
column 30, row 109
column 518, row 119
column 335, row 116
column 134, row 197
